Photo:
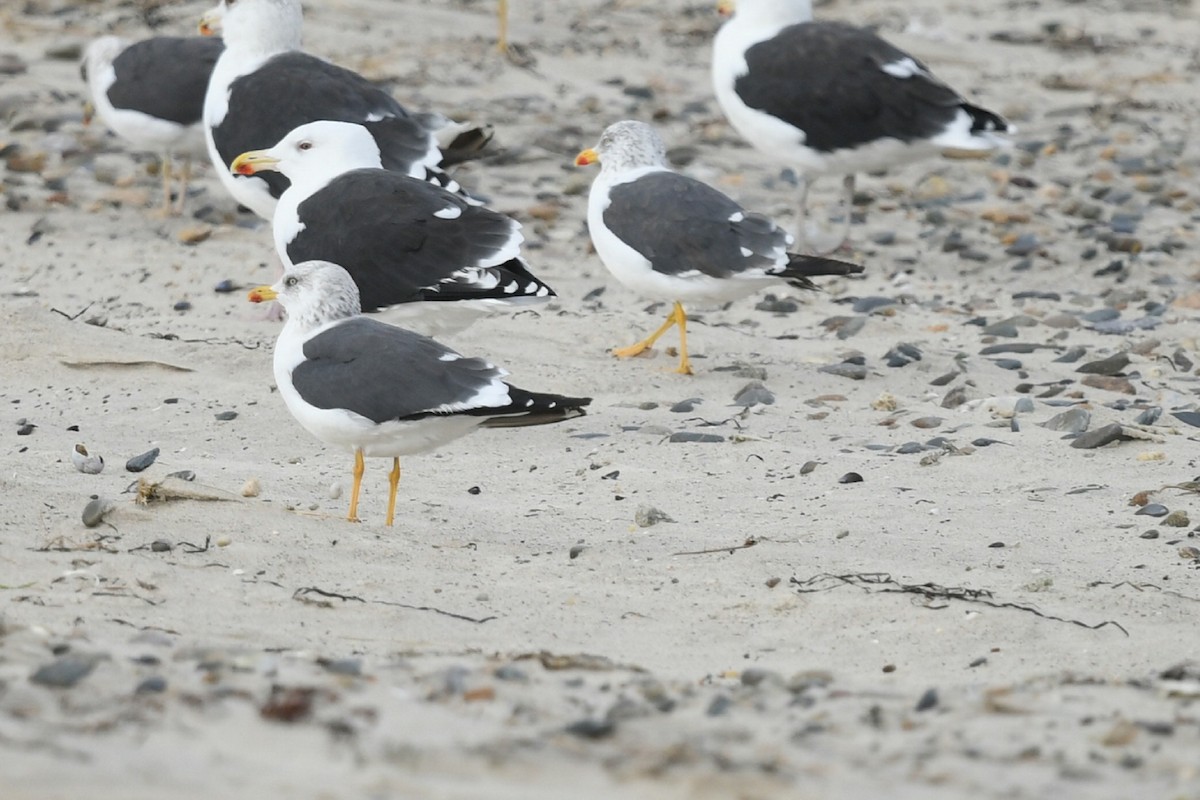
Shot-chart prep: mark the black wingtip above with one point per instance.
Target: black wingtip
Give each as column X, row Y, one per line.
column 531, row 408
column 468, row 145
column 801, row 266
column 984, row 121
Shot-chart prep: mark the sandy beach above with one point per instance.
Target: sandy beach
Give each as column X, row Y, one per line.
column 678, row 595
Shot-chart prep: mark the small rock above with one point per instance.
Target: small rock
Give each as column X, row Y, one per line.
column 808, row 466
column 752, row 394
column 591, row 728
column 1100, row 437
column 686, row 406
column 226, row 286
column 1177, row 519
column 195, row 234
column 161, row 546
column 649, row 516
column 139, row 463
column 1113, row 365
column 928, row 700
column 927, row 422
column 224, row 540
column 66, row 671
column 251, row 488
column 1109, row 384
column 225, row 416
column 1150, row 534
column 1187, row 417
column 691, row 436
column 155, row 684
column 1073, row 420
column 856, row 372
column 851, row 477
column 1152, row 510
column 95, row 511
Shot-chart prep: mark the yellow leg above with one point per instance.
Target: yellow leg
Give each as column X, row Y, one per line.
column 164, row 166
column 184, row 177
column 359, row 468
column 685, row 365
column 394, row 480
column 677, row 317
column 502, row 38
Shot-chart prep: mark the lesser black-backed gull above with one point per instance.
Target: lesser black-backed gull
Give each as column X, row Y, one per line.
column 377, row 390
column 264, row 86
column 151, row 94
column 669, row 236
column 421, row 256
column 832, row 98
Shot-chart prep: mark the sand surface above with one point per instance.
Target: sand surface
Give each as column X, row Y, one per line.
column 995, row 620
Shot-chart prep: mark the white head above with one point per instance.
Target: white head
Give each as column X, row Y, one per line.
column 259, row 27
column 313, row 293
column 626, row 145
column 314, row 154
column 767, row 12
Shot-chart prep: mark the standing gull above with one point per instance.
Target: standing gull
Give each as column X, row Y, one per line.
column 264, row 86
column 377, row 390
column 416, row 251
column 833, row 98
column 151, row 94
column 666, row 235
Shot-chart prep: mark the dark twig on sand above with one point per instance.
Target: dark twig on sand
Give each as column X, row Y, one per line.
column 882, row 582
column 302, row 594
column 748, row 543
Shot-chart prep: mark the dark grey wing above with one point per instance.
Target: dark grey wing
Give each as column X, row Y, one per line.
column 165, row 77
column 386, row 373
column 404, row 240
column 828, row 79
column 684, row 226
column 295, row 88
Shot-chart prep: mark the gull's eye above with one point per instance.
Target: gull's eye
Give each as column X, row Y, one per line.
column 291, row 280
column 305, row 145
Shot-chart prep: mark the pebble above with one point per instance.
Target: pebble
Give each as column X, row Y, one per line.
column 65, row 671
column 352, row 667
column 909, row 448
column 1061, row 320
column 844, row 326
column 755, row 676
column 927, row 422
column 509, row 672
column 1149, row 416
column 851, row 477
column 224, row 540
column 591, row 728
column 25, row 428
column 775, row 305
column 1100, row 437
column 649, row 516
column 1010, row 347
column 251, row 488
column 1177, row 519
column 1109, row 384
column 1073, row 420
column 1186, row 417
column 182, row 305
column 691, row 436
column 1024, row 245
column 1152, row 510
column 1007, row 363
column 928, row 700
column 155, row 684
column 869, row 305
column 85, row 462
column 808, row 466
column 856, row 372
column 139, row 463
column 719, row 706
column 161, row 546
column 95, row 511
column 1072, row 355
column 752, row 394
column 226, row 416
column 1113, row 365
column 1150, row 534
column 225, row 287
column 955, row 397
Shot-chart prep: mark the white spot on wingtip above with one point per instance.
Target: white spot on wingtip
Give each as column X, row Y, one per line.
column 449, row 357
column 528, row 403
column 449, row 212
column 532, row 287
column 737, row 216
column 747, row 252
column 511, row 287
column 904, row 68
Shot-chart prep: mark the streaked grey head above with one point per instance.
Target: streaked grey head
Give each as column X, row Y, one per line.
column 630, row 144
column 317, row 292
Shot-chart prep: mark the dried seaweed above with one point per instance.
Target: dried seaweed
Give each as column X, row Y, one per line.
column 884, row 583
column 1141, row 587
column 302, row 594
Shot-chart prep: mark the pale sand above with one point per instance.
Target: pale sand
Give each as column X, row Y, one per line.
column 1055, row 710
